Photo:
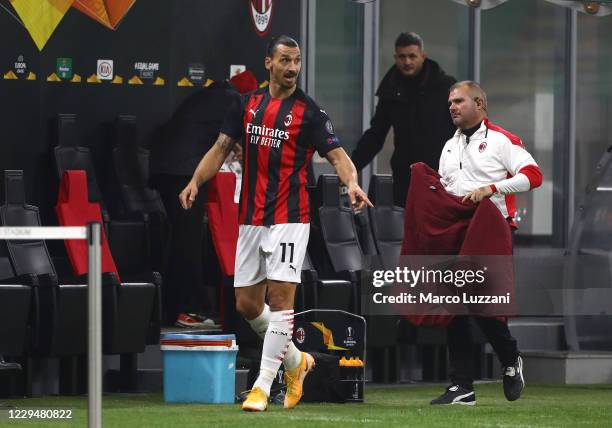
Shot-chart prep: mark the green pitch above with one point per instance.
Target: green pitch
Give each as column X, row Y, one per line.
column 392, row 406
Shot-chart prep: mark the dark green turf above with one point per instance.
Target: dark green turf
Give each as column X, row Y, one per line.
column 405, row 406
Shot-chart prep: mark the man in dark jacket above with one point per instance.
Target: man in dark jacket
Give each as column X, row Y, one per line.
column 412, row 98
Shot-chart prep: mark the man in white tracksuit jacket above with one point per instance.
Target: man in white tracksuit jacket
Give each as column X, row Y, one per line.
column 481, row 161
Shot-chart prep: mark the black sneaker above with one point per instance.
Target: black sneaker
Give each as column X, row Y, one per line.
column 456, row 394
column 513, row 380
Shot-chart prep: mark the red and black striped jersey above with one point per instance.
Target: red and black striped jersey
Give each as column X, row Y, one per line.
column 279, row 137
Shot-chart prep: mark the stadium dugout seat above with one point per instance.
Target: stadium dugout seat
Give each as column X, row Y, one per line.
column 15, row 298
column 58, row 316
column 56, row 331
column 306, row 294
column 362, row 224
column 127, row 233
column 317, row 293
column 335, row 248
column 136, row 238
column 381, row 230
column 70, row 155
column 15, row 302
column 138, row 200
column 386, row 220
column 129, row 308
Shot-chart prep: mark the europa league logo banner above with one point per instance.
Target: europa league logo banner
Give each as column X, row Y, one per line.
column 261, row 15
column 41, row 17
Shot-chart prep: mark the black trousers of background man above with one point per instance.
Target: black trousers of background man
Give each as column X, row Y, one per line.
column 184, row 282
column 461, row 346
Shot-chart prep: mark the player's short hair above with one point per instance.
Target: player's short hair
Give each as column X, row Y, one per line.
column 474, row 90
column 280, row 40
column 409, row 39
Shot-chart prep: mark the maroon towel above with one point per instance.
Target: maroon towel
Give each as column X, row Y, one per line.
column 438, row 223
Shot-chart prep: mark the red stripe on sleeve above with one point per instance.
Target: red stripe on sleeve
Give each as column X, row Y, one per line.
column 534, row 174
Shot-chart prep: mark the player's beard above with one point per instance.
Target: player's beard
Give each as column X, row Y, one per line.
column 280, row 80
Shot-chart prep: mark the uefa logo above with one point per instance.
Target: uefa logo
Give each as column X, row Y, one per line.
column 350, row 341
column 349, row 331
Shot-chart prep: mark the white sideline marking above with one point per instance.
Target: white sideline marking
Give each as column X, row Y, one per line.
column 47, row 232
column 500, row 425
column 332, row 419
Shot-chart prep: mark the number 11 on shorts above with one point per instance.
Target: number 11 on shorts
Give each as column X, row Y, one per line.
column 284, row 246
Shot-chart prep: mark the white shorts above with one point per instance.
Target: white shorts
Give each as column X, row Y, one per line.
column 270, row 252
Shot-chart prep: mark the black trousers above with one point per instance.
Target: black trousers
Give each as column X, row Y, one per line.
column 183, row 280
column 461, row 346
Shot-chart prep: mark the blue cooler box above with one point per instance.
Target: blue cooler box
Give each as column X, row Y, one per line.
column 199, row 368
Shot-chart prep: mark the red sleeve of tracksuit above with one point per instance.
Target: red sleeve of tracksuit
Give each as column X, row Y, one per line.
column 534, row 174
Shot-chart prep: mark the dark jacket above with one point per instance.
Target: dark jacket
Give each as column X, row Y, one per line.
column 418, row 111
column 192, row 131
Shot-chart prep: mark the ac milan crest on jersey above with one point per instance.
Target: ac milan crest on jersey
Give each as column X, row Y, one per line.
column 261, row 13
column 482, row 147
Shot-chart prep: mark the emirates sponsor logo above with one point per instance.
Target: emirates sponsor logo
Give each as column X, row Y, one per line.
column 261, row 14
column 264, row 136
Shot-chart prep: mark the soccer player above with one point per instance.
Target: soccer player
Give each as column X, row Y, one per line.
column 276, row 130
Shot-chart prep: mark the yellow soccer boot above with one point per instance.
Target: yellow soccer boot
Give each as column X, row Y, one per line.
column 256, row 401
column 294, row 379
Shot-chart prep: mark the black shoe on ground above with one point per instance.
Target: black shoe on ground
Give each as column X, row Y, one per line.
column 513, row 380
column 456, row 394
